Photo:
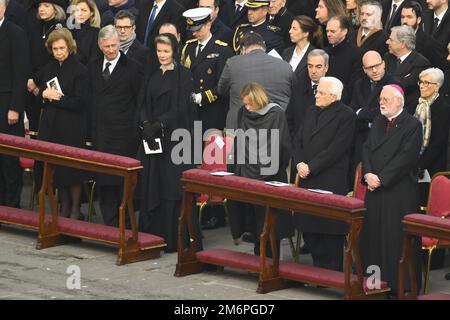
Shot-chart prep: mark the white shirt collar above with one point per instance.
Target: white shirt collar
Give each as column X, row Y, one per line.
column 113, row 63
column 1, row 21
column 161, row 4
column 398, row 4
column 402, row 58
column 204, row 43
column 441, row 16
column 255, row 25
column 242, row 4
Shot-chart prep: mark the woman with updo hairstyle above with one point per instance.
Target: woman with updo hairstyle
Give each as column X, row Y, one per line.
column 63, row 86
column 84, row 22
column 306, row 36
column 164, row 105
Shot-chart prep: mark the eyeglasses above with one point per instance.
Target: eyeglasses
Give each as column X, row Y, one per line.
column 125, row 28
column 383, row 100
column 374, row 67
column 425, row 83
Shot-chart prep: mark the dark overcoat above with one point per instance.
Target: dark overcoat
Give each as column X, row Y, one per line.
column 393, row 157
column 323, row 143
column 87, row 43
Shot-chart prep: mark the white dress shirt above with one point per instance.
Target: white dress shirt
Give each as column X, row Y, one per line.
column 113, row 63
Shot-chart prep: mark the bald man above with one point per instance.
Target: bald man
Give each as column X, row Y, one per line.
column 390, row 164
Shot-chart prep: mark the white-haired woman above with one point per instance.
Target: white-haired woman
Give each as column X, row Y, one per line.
column 434, row 113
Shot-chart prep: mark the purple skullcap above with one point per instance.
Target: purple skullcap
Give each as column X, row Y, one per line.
column 398, row 88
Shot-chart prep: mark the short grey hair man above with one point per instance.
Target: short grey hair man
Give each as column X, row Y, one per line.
column 405, row 34
column 436, row 75
column 320, row 53
column 335, row 86
column 374, row 12
column 107, row 32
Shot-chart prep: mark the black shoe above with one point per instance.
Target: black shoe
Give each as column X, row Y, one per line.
column 447, row 276
column 248, row 237
column 304, row 249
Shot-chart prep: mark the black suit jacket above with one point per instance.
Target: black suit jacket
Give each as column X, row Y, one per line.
column 171, row 12
column 434, row 158
column 323, row 143
column 431, row 49
column 17, row 14
column 395, row 21
column 302, row 7
column 139, row 53
column 226, row 14
column 302, row 66
column 408, row 73
column 442, row 33
column 14, row 62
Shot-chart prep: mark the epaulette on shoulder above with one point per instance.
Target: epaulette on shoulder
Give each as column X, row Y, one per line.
column 243, row 25
column 221, row 43
column 191, row 40
column 273, row 28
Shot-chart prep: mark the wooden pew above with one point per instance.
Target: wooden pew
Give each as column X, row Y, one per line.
column 272, row 272
column 419, row 225
column 54, row 230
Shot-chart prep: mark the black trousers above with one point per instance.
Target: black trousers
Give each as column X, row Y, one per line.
column 327, row 250
column 110, row 198
column 10, row 181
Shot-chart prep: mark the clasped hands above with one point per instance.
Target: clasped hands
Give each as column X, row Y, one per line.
column 52, row 94
column 373, row 182
column 303, row 170
column 150, row 131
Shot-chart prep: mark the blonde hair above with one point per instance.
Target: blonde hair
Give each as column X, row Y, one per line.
column 256, row 95
column 64, row 34
column 95, row 20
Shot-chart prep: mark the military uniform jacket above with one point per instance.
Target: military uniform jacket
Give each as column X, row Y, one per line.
column 206, row 70
column 272, row 36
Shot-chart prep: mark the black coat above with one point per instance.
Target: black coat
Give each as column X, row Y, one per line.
column 434, row 158
column 408, row 73
column 17, row 14
column 345, row 64
column 393, row 157
column 14, row 60
column 171, row 12
column 226, row 14
column 323, row 143
column 387, row 4
column 302, row 7
column 113, row 107
column 283, row 20
column 139, row 53
column 206, row 70
column 302, row 98
column 221, row 31
column 431, row 49
column 63, row 121
column 108, row 15
column 442, row 33
column 375, row 41
column 302, row 66
column 87, row 43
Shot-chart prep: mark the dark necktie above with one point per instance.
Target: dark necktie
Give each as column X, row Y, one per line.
column 314, row 88
column 435, row 25
column 391, row 17
column 199, row 49
column 373, row 84
column 398, row 62
column 151, row 19
column 237, row 10
column 106, row 74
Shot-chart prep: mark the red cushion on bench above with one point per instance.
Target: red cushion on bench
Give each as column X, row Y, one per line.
column 67, row 151
column 229, row 258
column 428, row 220
column 434, row 296
column 26, row 163
column 289, row 192
column 105, row 233
column 20, row 217
column 311, row 274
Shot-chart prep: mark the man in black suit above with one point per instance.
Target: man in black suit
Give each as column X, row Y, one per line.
column 14, row 59
column 411, row 15
column 115, row 81
column 345, row 57
column 152, row 14
column 321, row 156
column 233, row 13
column 17, row 14
column 391, row 13
column 125, row 24
column 219, row 30
column 390, row 158
column 370, row 35
column 405, row 63
column 280, row 17
column 436, row 22
column 365, row 101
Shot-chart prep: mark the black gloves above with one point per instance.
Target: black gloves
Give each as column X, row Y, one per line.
column 151, row 130
column 421, row 173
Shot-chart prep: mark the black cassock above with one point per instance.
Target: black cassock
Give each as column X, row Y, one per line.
column 164, row 98
column 393, row 156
